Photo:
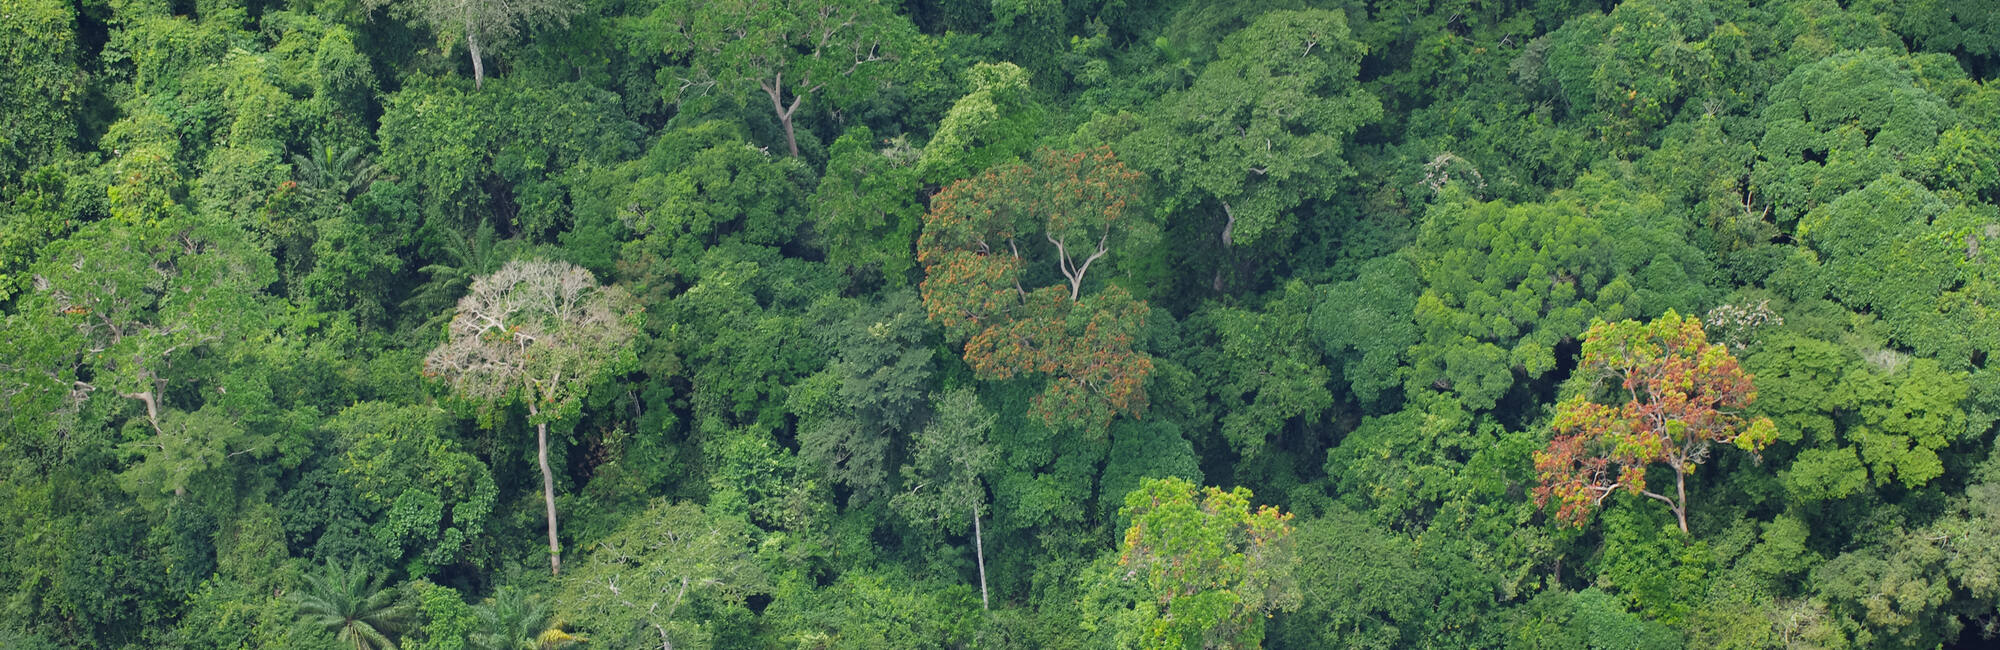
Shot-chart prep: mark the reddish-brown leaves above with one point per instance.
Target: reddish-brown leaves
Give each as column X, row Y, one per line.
column 1681, row 394
column 972, row 249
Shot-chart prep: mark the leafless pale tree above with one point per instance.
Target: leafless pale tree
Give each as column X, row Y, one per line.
column 537, row 332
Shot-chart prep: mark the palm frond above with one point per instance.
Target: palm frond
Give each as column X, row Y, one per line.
column 332, row 174
column 516, row 620
column 351, row 604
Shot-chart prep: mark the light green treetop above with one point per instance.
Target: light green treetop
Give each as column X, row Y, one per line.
column 657, row 581
column 1209, row 568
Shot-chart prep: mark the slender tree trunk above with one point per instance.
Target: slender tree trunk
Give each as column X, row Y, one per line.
column 153, row 418
column 1678, row 506
column 1229, row 228
column 548, row 490
column 1681, row 502
column 791, row 139
column 478, row 65
column 1228, row 242
column 979, row 547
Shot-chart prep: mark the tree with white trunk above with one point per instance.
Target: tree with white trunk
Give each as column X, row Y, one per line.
column 539, row 333
column 946, row 461
column 786, row 50
column 485, row 24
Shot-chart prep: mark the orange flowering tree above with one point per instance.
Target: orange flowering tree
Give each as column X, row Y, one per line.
column 1675, row 396
column 989, row 238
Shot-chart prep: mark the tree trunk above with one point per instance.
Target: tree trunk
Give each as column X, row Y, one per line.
column 1681, row 500
column 979, row 547
column 1228, row 242
column 548, row 490
column 152, row 407
column 478, row 65
column 153, row 418
column 776, row 91
column 791, row 140
column 1228, row 228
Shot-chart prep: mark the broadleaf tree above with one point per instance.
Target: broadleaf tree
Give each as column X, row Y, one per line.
column 786, row 50
column 538, row 333
column 658, row 581
column 1263, row 128
column 988, row 238
column 1679, row 396
column 1211, row 568
column 947, row 459
column 116, row 307
column 485, row 24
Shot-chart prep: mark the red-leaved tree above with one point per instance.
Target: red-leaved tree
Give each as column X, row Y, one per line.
column 1675, row 396
column 987, row 237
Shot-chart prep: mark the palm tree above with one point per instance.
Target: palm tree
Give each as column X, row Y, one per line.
column 352, row 605
column 514, row 620
column 461, row 258
column 340, row 175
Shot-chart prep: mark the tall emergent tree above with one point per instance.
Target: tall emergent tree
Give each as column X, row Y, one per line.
column 1680, row 395
column 946, row 461
column 1067, row 210
column 787, row 49
column 537, row 332
column 1212, row 567
column 485, row 23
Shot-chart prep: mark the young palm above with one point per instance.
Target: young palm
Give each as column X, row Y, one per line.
column 462, row 258
column 352, row 605
column 515, row 620
column 339, row 175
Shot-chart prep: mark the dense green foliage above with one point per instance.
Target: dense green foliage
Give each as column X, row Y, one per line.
column 1009, row 324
